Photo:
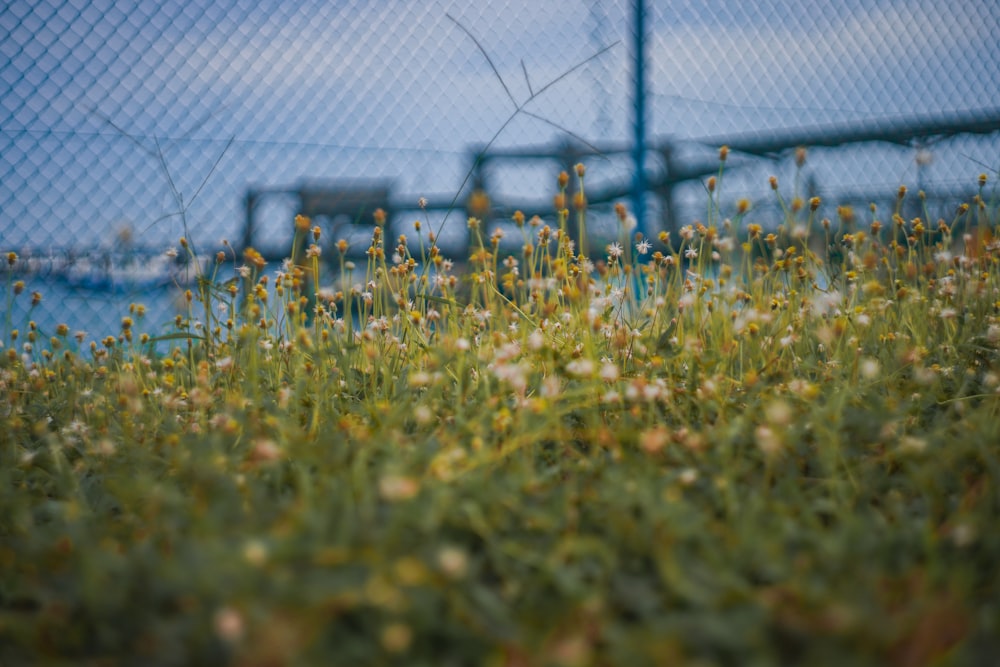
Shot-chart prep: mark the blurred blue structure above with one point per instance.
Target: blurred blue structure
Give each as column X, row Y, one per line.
column 155, row 120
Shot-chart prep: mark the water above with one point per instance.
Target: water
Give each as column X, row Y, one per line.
column 96, row 312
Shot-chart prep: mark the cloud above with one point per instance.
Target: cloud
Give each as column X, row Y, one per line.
column 848, row 60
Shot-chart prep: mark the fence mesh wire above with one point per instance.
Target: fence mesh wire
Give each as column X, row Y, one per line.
column 125, row 125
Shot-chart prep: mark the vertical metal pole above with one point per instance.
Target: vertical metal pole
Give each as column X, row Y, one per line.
column 639, row 120
column 248, row 228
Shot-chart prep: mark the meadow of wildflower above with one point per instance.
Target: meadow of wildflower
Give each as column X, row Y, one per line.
column 750, row 442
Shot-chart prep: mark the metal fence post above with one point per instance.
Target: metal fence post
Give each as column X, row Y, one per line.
column 639, row 122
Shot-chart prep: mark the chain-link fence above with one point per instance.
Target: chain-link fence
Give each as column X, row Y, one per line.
column 126, row 125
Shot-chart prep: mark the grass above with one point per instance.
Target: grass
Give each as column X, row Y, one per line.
column 736, row 445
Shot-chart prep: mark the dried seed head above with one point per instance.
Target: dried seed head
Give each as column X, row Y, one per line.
column 621, row 211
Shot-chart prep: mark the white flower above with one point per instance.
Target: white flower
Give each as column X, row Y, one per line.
column 870, row 368
column 642, row 247
column 691, row 253
column 580, row 367
column 615, row 250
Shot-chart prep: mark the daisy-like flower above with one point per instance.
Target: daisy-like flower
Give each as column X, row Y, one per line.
column 691, row 253
column 615, row 250
column 643, row 246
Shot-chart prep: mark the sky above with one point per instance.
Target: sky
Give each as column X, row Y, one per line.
column 124, row 114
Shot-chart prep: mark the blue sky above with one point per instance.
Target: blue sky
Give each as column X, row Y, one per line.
column 321, row 90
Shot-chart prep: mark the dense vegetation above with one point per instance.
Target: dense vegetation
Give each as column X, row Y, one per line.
column 749, row 442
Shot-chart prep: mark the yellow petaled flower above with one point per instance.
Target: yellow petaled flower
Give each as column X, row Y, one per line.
column 479, row 204
column 302, row 223
column 254, row 258
column 11, row 258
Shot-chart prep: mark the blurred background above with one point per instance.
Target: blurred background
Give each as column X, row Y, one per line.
column 125, row 125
